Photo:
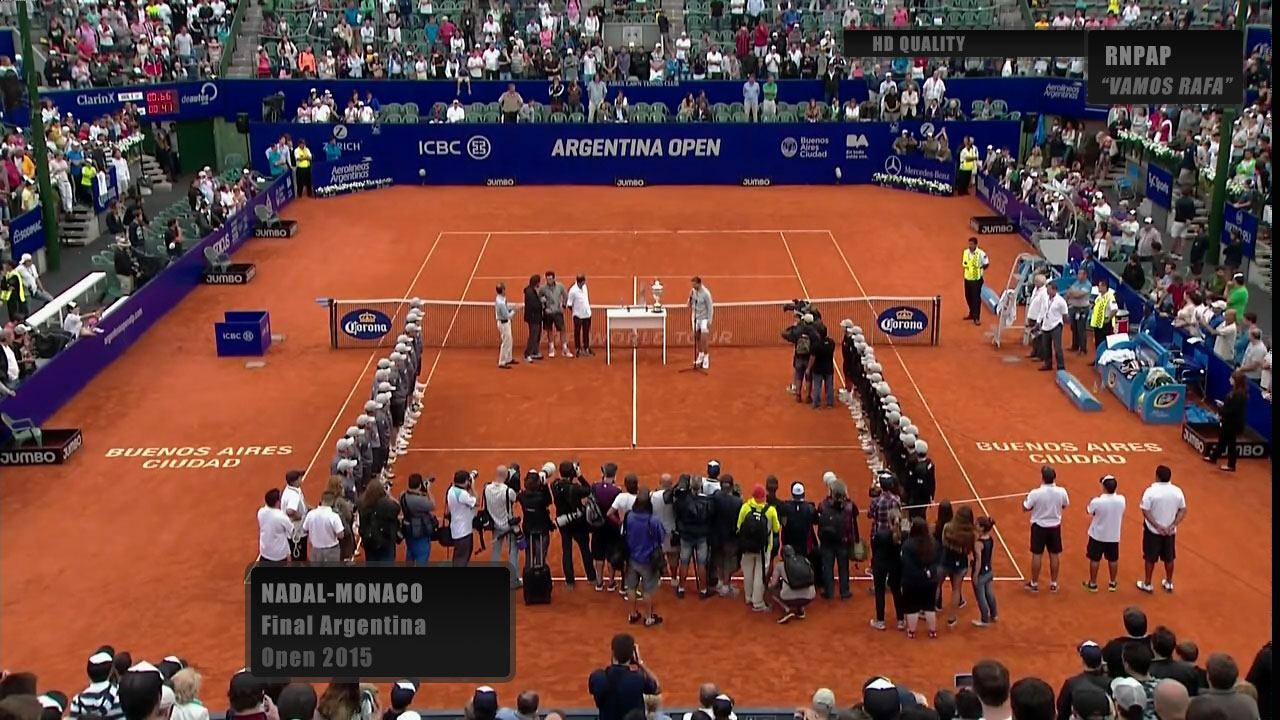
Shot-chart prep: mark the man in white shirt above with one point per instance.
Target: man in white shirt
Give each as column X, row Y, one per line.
column 9, row 370
column 499, row 501
column 664, row 507
column 935, row 88
column 323, row 528
column 491, row 56
column 273, row 531
column 1055, row 314
column 461, row 506
column 73, row 323
column 456, row 113
column 1107, row 511
column 1224, row 336
column 1036, row 308
column 715, row 64
column 30, row 275
column 626, row 499
column 364, row 113
column 1164, row 507
column 1045, row 504
column 294, row 505
column 579, row 304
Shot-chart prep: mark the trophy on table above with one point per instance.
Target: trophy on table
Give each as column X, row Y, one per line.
column 656, row 291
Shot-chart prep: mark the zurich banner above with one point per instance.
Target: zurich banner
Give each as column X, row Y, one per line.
column 634, row 154
column 350, row 175
column 225, row 98
column 1159, row 185
column 1242, row 221
column 27, row 233
column 56, row 382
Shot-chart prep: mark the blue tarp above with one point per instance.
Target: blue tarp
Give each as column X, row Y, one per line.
column 628, row 154
column 226, row 98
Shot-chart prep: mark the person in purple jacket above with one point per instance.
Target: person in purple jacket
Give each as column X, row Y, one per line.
column 606, row 535
column 645, row 536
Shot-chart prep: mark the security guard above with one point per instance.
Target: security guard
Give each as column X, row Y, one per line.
column 302, row 157
column 975, row 263
column 13, row 292
column 968, row 164
column 1103, row 314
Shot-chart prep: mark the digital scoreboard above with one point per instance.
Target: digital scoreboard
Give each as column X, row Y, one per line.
column 164, row 101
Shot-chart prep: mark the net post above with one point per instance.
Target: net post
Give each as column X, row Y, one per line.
column 937, row 317
column 333, row 324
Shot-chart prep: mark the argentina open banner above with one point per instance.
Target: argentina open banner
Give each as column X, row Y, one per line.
column 630, row 154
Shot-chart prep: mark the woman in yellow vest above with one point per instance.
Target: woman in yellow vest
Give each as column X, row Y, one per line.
column 968, row 164
column 302, row 159
column 88, row 175
column 1102, row 314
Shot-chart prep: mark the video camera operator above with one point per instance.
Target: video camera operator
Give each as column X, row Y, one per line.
column 803, row 336
column 693, row 526
column 569, row 492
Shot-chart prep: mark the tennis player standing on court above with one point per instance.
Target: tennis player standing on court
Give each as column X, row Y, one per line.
column 502, row 312
column 579, row 304
column 703, row 309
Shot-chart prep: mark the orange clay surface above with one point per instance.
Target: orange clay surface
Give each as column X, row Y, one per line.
column 103, row 550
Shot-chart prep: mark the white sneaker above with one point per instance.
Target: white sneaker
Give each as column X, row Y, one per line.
column 706, row 362
column 420, row 386
column 551, row 351
column 1144, row 587
column 1168, row 586
column 402, row 451
column 565, row 350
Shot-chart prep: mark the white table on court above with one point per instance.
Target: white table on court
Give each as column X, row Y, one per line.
column 634, row 319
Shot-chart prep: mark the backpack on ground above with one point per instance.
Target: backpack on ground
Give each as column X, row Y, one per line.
column 592, row 512
column 831, row 523
column 753, row 533
column 797, row 571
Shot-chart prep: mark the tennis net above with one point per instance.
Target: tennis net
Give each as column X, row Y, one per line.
column 373, row 323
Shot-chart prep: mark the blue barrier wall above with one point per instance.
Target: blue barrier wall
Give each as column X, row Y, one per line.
column 27, row 232
column 686, row 154
column 226, row 98
column 54, row 384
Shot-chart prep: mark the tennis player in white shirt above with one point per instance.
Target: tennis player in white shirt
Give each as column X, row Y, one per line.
column 1107, row 511
column 1036, row 307
column 1045, row 504
column 274, row 528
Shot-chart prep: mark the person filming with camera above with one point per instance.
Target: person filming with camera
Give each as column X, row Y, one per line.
column 460, row 504
column 804, row 337
column 569, row 492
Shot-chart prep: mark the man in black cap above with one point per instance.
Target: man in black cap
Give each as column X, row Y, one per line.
column 1093, row 677
column 100, row 697
column 880, row 699
column 1089, row 703
column 401, row 696
column 142, row 693
column 483, row 705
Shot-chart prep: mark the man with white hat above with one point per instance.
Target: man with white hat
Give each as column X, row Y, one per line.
column 346, row 469
column 368, row 444
column 343, row 451
column 30, row 275
column 379, row 436
column 73, row 323
column 850, row 361
column 399, row 392
column 919, row 486
column 386, row 429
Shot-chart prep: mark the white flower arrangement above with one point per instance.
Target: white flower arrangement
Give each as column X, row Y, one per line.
column 357, row 186
column 1159, row 150
column 124, row 145
column 932, row 187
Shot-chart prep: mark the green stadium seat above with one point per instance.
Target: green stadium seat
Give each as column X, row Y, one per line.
column 558, row 117
column 1000, row 108
column 577, row 117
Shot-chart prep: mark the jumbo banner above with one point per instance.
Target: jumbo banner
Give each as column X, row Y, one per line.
column 674, row 154
column 225, row 98
column 1159, row 185
column 26, row 232
column 1241, row 221
column 69, row 371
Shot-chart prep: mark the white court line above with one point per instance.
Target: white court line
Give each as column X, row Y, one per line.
column 635, row 300
column 622, row 448
column 356, row 385
column 925, row 404
column 623, row 277
column 708, row 231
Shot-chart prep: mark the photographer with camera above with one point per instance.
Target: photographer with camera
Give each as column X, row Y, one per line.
column 693, row 525
column 837, row 535
column 535, row 531
column 569, row 492
column 499, row 503
column 460, row 504
column 803, row 336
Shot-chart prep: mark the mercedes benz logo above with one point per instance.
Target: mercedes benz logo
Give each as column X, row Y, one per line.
column 790, row 147
column 893, row 165
column 478, row 147
column 340, row 132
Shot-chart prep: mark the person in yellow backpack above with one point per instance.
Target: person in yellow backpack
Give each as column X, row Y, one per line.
column 1102, row 313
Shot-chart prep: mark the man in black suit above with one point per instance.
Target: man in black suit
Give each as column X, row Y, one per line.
column 533, row 318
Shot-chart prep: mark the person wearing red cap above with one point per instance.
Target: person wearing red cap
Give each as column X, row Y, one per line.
column 757, row 525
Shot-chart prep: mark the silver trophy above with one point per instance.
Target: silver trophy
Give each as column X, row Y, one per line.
column 656, row 291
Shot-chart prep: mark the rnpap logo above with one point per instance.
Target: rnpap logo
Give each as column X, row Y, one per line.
column 366, row 324
column 902, row 321
column 208, row 93
column 477, row 147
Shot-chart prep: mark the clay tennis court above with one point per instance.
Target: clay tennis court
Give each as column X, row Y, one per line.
column 110, row 549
